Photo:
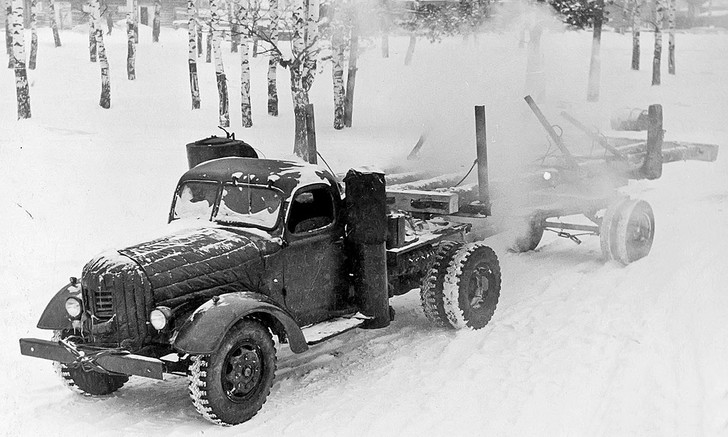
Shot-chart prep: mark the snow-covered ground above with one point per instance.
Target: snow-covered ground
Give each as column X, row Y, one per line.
column 577, row 346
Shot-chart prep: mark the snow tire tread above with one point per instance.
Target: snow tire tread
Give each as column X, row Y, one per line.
column 431, row 289
column 451, row 286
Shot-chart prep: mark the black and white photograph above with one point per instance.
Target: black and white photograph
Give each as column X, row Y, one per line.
column 364, row 218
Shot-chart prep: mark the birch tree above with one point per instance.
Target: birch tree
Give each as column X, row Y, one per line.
column 130, row 48
column 245, row 83
column 273, row 59
column 105, row 100
column 233, row 9
column 302, row 68
column 135, row 19
column 338, row 49
column 595, row 63
column 241, row 17
column 91, row 32
column 208, row 56
column 192, row 52
column 657, row 56
column 21, row 75
column 33, row 34
column 9, row 32
column 671, row 40
column 54, row 23
column 222, row 90
column 636, row 26
column 156, row 24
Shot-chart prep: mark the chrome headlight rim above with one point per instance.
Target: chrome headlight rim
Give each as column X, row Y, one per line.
column 160, row 317
column 74, row 307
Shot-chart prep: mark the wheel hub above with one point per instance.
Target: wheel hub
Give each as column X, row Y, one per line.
column 242, row 372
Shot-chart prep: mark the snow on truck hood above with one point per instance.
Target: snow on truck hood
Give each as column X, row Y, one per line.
column 199, row 262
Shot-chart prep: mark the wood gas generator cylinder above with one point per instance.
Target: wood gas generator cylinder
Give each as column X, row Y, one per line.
column 366, row 235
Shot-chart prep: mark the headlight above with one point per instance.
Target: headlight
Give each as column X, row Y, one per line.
column 547, row 175
column 74, row 307
column 160, row 317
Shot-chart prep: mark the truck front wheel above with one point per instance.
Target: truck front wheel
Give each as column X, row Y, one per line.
column 472, row 286
column 230, row 385
column 87, row 382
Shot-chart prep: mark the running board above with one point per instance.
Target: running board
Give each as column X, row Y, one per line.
column 319, row 332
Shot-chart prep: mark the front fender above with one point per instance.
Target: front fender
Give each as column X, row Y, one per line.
column 55, row 316
column 204, row 330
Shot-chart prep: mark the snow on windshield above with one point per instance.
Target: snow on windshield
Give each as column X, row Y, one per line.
column 248, row 205
column 195, row 200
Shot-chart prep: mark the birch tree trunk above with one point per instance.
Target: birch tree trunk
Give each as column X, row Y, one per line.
column 410, row 49
column 351, row 76
column 222, row 90
column 273, row 61
column 245, row 83
column 595, row 66
column 535, row 83
column 131, row 49
column 657, row 56
column 21, row 75
column 156, row 24
column 210, row 37
column 9, row 32
column 192, row 53
column 54, row 23
column 91, row 33
column 337, row 72
column 33, row 34
column 233, row 18
column 105, row 100
column 135, row 20
column 298, row 89
column 198, row 26
column 636, row 25
column 671, row 39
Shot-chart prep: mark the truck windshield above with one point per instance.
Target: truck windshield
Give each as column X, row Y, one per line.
column 194, row 200
column 249, row 205
column 244, row 205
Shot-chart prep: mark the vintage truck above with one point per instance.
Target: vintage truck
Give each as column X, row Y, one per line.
column 273, row 249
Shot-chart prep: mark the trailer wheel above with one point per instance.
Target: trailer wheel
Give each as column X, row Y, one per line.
column 472, row 286
column 431, row 288
column 532, row 236
column 230, row 385
column 87, row 382
column 627, row 231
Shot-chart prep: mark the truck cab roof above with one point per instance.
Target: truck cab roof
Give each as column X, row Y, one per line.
column 282, row 174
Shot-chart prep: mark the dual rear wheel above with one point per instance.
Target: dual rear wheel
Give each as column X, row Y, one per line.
column 462, row 288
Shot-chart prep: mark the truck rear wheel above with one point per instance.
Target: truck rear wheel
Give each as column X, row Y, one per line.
column 87, row 382
column 431, row 287
column 472, row 286
column 627, row 231
column 230, row 385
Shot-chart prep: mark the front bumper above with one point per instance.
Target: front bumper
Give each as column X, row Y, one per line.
column 128, row 364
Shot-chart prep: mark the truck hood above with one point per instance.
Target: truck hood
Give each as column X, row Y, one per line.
column 201, row 262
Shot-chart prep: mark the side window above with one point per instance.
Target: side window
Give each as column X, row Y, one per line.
column 310, row 210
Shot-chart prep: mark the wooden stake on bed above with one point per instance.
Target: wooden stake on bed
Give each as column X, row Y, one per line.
column 481, row 142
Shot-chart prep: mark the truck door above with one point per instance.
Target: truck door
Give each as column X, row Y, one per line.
column 314, row 274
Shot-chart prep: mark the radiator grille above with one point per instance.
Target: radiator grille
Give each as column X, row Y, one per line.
column 103, row 302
